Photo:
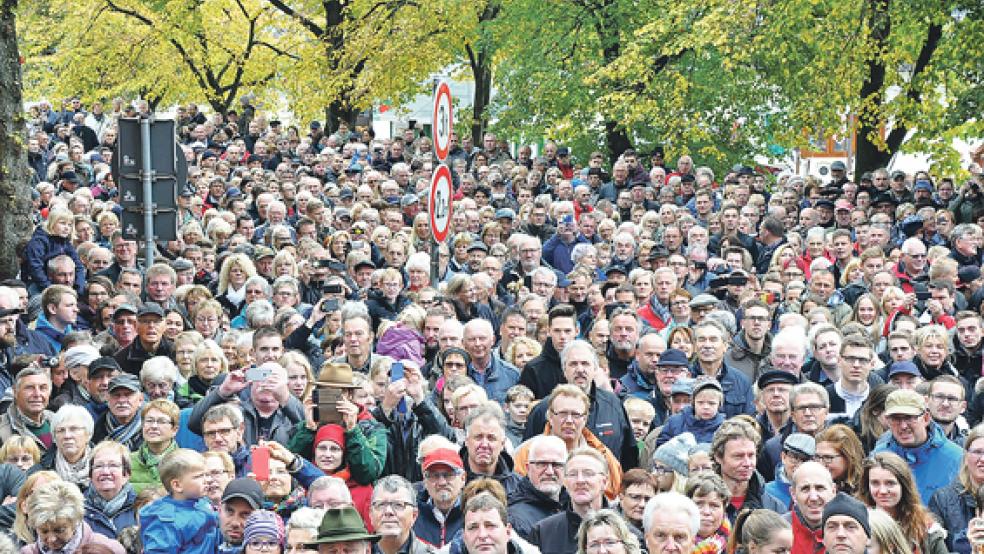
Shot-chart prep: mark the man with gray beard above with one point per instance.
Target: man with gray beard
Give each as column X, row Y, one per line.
column 538, row 494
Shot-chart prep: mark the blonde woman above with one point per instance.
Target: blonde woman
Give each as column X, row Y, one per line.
column 22, row 531
column 521, row 350
column 209, row 361
column 235, row 271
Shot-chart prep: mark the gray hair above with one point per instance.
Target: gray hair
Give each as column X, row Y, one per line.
column 486, row 411
column 81, row 355
column 582, row 250
column 286, row 281
column 71, row 413
column 306, row 518
column 670, row 502
column 262, row 282
column 260, row 313
column 394, row 483
column 418, row 260
column 578, row 344
column 224, row 411
column 329, row 482
column 31, row 371
column 792, row 336
column 544, row 440
column 54, row 501
column 809, row 388
column 157, row 369
column 356, row 310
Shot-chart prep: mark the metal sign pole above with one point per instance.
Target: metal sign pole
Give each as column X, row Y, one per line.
column 147, row 175
column 435, row 246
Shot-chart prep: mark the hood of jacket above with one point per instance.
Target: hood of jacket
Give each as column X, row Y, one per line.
column 691, row 421
column 503, row 466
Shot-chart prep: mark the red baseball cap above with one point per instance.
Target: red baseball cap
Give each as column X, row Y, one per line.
column 843, row 205
column 443, row 456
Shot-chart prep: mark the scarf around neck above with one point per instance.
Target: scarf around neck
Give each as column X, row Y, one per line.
column 110, row 508
column 122, row 432
column 77, row 473
column 236, row 296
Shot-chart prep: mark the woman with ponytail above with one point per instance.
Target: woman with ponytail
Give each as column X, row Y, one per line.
column 760, row 532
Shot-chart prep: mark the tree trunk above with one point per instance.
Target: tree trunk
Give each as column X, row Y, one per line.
column 15, row 188
column 870, row 156
column 616, row 139
column 482, row 74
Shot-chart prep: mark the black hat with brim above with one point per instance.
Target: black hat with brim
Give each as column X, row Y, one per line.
column 342, row 525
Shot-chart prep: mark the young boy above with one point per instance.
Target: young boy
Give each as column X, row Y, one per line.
column 641, row 414
column 183, row 521
column 519, row 400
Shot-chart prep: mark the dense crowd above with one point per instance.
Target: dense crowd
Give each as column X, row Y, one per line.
column 616, row 356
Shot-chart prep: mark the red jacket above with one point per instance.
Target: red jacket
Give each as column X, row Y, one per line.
column 805, row 540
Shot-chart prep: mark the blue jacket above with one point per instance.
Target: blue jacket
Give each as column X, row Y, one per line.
column 686, row 422
column 187, row 526
column 557, row 253
column 934, row 463
column 186, row 438
column 738, row 395
column 954, row 507
column 429, row 529
column 43, row 247
column 779, row 488
column 635, row 384
column 498, row 378
column 102, row 523
column 50, row 334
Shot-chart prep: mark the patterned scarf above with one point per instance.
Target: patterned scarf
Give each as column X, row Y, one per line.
column 70, row 547
column 716, row 543
column 77, row 473
column 122, row 432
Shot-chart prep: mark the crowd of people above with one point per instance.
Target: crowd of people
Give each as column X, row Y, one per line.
column 615, row 357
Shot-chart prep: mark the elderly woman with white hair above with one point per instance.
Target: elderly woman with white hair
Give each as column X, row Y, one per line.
column 70, row 455
column 55, row 513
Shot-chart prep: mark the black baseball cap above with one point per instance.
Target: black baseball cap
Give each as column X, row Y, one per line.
column 246, row 489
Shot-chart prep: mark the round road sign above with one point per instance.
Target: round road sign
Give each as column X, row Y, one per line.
column 443, row 121
column 439, row 202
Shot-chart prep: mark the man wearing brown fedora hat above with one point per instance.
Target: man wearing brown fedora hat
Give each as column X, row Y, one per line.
column 342, row 530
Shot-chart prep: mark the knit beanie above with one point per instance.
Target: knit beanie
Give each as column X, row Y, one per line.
column 844, row 505
column 330, row 432
column 675, row 453
column 263, row 523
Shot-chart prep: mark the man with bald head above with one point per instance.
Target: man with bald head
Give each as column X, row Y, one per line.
column 812, row 488
column 487, row 369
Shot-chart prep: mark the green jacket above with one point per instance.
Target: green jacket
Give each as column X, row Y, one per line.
column 365, row 448
column 143, row 472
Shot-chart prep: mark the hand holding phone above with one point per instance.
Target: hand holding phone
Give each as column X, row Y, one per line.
column 261, row 463
column 397, row 373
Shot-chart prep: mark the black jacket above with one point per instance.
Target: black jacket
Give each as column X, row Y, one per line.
column 528, row 506
column 132, row 358
column 405, row 434
column 954, row 507
column 606, row 419
column 380, row 308
column 557, row 534
column 544, row 372
column 504, row 473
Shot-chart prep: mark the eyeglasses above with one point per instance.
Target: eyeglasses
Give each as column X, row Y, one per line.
column 158, row 421
column 546, row 464
column 216, row 432
column 216, row 473
column 660, row 470
column 439, row 475
column 856, row 360
column 113, row 466
column 810, row 408
column 395, row 505
column 827, row 459
column 263, row 546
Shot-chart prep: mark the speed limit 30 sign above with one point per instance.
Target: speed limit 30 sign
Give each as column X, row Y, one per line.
column 443, row 121
column 439, row 202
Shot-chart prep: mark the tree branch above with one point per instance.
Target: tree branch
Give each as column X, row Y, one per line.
column 309, row 24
